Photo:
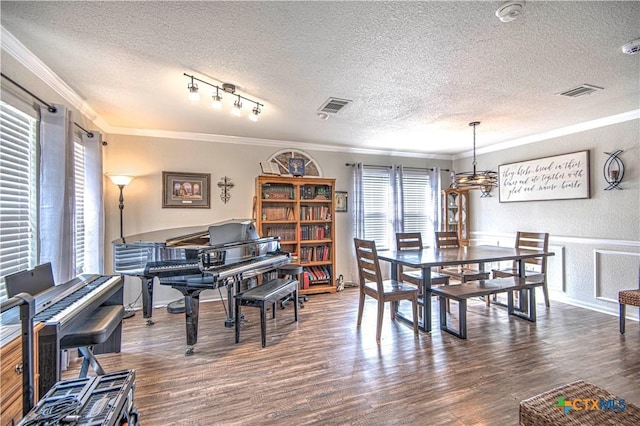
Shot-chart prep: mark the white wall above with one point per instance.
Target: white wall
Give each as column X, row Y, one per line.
column 147, row 157
column 596, row 240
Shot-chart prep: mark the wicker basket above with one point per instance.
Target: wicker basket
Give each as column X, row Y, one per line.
column 542, row 409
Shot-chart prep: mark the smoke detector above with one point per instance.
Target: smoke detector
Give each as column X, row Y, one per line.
column 632, row 47
column 510, row 10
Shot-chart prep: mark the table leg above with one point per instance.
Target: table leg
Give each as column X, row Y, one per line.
column 426, row 300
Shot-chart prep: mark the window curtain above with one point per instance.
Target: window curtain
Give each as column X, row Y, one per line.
column 57, row 211
column 398, row 199
column 94, row 204
column 436, row 190
column 57, row 193
column 358, row 201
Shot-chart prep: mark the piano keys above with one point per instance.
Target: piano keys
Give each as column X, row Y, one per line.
column 59, row 308
column 191, row 261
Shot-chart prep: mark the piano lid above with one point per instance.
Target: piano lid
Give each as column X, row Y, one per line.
column 191, row 235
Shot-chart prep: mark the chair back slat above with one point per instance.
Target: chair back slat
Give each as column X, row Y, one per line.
column 447, row 239
column 408, row 241
column 368, row 263
column 536, row 241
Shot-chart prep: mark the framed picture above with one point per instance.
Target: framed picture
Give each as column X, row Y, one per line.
column 186, row 190
column 561, row 177
column 341, row 202
column 296, row 166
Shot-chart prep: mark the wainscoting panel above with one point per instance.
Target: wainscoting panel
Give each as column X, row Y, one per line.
column 614, row 271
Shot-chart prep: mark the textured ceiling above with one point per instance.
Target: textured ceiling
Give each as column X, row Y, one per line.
column 417, row 72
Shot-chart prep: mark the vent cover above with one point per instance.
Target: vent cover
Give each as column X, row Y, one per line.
column 585, row 89
column 334, row 105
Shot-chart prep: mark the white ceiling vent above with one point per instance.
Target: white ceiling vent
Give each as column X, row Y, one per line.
column 585, row 89
column 334, row 105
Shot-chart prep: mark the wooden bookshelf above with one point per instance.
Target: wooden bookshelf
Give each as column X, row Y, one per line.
column 301, row 212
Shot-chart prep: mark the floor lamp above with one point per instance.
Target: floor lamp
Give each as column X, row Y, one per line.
column 121, row 181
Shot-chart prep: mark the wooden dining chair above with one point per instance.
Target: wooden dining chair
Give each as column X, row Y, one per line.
column 372, row 284
column 413, row 241
column 535, row 267
column 463, row 273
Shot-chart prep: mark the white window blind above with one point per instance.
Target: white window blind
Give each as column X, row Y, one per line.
column 18, row 203
column 378, row 205
column 417, row 203
column 79, row 171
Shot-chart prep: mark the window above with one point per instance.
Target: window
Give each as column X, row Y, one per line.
column 396, row 199
column 418, row 203
column 378, row 210
column 79, row 172
column 18, row 200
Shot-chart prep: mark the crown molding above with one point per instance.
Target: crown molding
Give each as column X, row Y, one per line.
column 563, row 131
column 24, row 56
column 241, row 140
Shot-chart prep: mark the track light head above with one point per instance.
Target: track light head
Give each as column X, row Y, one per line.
column 255, row 113
column 237, row 108
column 216, row 101
column 193, row 91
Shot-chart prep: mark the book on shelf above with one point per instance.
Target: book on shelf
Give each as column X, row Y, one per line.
column 270, row 168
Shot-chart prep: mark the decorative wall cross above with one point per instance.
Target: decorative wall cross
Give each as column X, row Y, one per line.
column 225, row 186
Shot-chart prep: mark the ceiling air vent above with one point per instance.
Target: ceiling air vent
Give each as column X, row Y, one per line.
column 334, row 105
column 585, row 89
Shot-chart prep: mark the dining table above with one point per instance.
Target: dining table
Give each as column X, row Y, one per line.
column 433, row 257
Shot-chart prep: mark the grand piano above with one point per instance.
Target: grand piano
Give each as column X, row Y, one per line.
column 195, row 259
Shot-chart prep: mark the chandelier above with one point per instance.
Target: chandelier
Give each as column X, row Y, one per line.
column 484, row 180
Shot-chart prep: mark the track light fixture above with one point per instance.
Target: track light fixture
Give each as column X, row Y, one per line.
column 255, row 113
column 237, row 108
column 216, row 99
column 193, row 91
column 485, row 181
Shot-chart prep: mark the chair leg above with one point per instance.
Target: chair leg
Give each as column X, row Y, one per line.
column 379, row 325
column 622, row 317
column 415, row 314
column 360, row 308
column 545, row 291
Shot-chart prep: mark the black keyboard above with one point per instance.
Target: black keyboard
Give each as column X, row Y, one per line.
column 172, row 268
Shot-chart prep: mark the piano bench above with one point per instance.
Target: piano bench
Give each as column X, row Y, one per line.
column 93, row 330
column 291, row 270
column 263, row 295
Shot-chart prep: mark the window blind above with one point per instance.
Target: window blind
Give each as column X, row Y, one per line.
column 18, row 203
column 417, row 203
column 378, row 206
column 79, row 171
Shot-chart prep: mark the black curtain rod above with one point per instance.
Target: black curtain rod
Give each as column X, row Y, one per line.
column 415, row 168
column 89, row 134
column 51, row 108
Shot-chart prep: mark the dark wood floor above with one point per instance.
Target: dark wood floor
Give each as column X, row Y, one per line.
column 323, row 370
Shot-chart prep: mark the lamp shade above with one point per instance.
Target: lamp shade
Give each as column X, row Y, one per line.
column 123, row 180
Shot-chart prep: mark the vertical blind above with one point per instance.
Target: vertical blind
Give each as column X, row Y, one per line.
column 18, row 221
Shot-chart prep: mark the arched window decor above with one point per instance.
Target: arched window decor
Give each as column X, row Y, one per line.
column 281, row 158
